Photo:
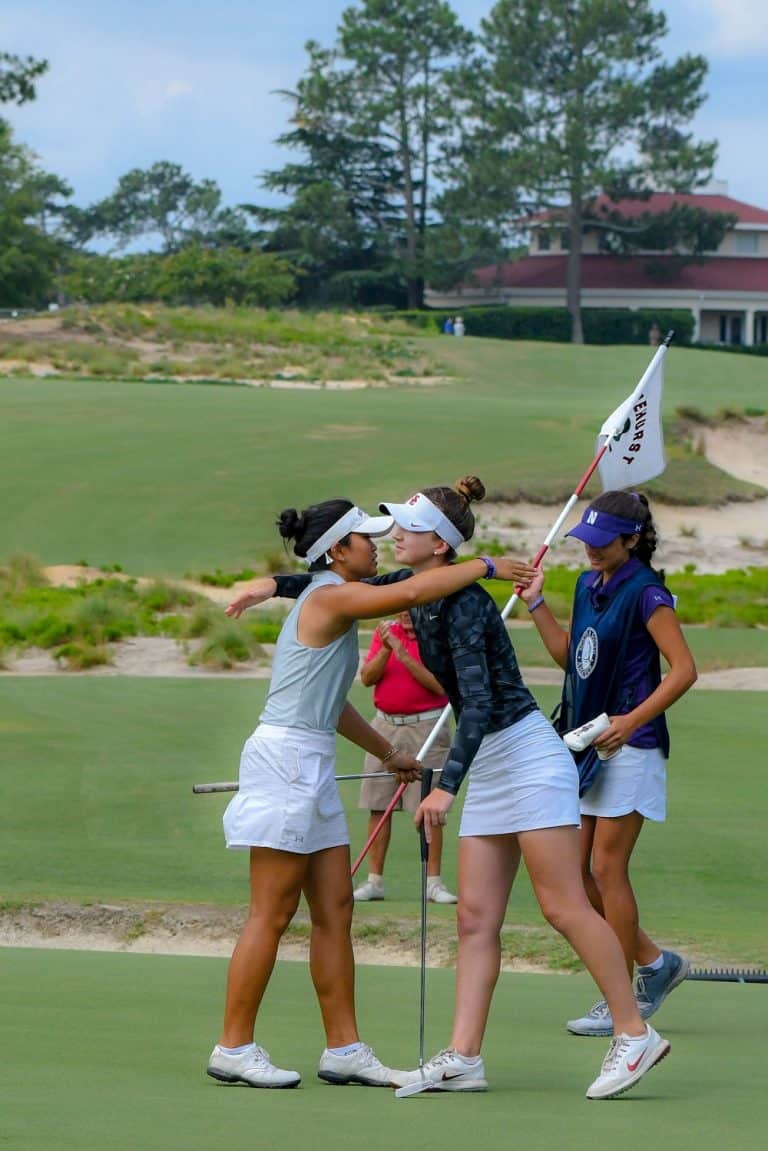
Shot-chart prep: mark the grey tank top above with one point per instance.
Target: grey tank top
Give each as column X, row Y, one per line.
column 309, row 685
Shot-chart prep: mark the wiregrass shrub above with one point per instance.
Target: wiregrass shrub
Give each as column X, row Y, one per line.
column 79, row 624
column 736, row 598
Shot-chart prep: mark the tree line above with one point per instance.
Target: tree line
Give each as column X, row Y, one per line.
column 418, row 151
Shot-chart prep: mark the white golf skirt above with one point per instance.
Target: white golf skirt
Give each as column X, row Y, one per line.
column 523, row 778
column 634, row 779
column 288, row 797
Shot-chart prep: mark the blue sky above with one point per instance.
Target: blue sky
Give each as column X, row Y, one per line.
column 136, row 81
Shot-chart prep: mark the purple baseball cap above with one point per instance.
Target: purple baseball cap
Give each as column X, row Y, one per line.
column 598, row 529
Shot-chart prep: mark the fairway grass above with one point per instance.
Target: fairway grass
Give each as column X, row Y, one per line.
column 109, row 1051
column 96, row 806
column 170, row 479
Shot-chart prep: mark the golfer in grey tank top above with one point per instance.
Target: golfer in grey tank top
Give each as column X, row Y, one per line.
column 310, row 684
column 288, row 798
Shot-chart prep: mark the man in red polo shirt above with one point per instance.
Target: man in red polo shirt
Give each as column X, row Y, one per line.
column 408, row 701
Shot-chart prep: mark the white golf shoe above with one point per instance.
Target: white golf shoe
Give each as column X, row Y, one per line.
column 628, row 1059
column 437, row 892
column 252, row 1068
column 368, row 891
column 361, row 1067
column 450, row 1071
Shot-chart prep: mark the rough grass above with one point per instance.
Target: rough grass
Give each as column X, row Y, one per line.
column 77, row 624
column 132, row 342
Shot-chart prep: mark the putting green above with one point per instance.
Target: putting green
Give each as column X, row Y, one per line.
column 109, row 1051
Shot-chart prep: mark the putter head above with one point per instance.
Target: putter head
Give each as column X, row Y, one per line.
column 412, row 1089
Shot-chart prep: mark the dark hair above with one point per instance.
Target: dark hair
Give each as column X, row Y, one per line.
column 306, row 527
column 454, row 504
column 632, row 506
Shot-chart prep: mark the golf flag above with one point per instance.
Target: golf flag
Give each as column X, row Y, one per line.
column 635, row 448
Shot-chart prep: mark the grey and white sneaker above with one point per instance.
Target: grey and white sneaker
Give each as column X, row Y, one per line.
column 361, row 1067
column 252, row 1067
column 597, row 1021
column 628, row 1059
column 368, row 891
column 653, row 987
column 450, row 1071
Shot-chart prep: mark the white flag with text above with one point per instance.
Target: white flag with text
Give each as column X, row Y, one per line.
column 635, row 452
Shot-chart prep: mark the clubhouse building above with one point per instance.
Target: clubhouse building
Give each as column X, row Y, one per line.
column 727, row 291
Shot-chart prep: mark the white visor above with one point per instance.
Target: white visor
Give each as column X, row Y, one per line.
column 355, row 520
column 419, row 514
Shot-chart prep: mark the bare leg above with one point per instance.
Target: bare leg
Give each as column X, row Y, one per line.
column 613, row 845
column 435, row 857
column 552, row 858
column 328, row 888
column 276, row 878
column 645, row 950
column 378, row 850
column 487, row 868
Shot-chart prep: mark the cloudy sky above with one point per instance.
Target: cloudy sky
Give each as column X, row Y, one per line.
column 194, row 81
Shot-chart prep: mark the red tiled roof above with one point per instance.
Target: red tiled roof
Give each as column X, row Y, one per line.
column 718, row 274
column 663, row 201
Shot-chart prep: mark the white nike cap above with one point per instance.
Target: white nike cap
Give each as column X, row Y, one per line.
column 419, row 514
column 355, row 520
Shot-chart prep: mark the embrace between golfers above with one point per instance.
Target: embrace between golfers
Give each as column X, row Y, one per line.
column 522, row 796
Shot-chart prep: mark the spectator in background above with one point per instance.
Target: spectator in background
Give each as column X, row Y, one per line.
column 458, row 326
column 448, row 326
column 409, row 701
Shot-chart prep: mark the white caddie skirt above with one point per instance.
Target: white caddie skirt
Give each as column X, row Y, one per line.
column 522, row 779
column 634, row 779
column 288, row 797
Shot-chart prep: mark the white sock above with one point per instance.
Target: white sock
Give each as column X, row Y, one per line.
column 656, row 965
column 348, row 1050
column 467, row 1058
column 433, row 879
column 376, row 880
column 237, row 1050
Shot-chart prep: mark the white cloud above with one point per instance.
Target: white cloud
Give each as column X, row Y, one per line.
column 725, row 28
column 109, row 104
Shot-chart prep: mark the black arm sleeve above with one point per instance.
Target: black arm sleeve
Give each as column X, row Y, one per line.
column 466, row 638
column 291, row 586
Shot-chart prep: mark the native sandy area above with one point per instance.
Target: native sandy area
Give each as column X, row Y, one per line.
column 714, row 539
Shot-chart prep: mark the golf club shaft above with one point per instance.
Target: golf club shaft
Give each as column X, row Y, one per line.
column 232, row 785
column 426, row 787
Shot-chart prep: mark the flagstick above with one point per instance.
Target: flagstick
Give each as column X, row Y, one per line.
column 536, row 561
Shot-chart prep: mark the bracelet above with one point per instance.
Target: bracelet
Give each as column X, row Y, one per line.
column 490, row 567
column 536, row 603
column 392, row 751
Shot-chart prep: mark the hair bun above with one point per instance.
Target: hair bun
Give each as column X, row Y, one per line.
column 290, row 524
column 471, row 488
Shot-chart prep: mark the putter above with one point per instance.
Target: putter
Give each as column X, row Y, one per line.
column 423, row 1084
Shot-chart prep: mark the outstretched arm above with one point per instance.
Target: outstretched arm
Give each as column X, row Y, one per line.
column 553, row 636
column 354, row 600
